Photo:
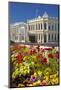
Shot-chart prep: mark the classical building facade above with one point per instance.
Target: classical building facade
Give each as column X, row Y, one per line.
column 42, row 29
column 18, row 32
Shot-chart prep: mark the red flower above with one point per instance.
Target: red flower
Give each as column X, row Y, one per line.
column 42, row 50
column 19, row 58
column 50, row 55
column 46, row 49
column 44, row 60
column 49, row 48
column 57, row 55
column 32, row 51
column 38, row 48
column 39, row 56
column 35, row 62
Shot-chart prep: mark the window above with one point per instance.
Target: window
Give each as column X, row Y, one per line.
column 45, row 26
column 36, row 26
column 29, row 27
column 22, row 37
column 39, row 26
column 52, row 36
column 55, row 27
column 49, row 27
column 49, row 37
column 52, row 27
column 55, row 37
column 16, row 37
column 32, row 27
column 39, row 36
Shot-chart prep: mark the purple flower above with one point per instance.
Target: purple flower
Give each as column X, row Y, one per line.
column 33, row 78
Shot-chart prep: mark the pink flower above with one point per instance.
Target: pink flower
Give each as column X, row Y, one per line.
column 43, row 83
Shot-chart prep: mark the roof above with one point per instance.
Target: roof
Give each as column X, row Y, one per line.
column 45, row 14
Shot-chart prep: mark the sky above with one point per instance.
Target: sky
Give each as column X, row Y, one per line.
column 20, row 12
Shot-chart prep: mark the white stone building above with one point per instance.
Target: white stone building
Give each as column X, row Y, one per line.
column 18, row 32
column 43, row 29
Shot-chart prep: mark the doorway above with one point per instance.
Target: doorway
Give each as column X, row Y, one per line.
column 32, row 38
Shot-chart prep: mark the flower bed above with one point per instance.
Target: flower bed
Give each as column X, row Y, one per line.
column 34, row 66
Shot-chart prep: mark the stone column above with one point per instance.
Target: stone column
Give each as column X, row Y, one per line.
column 42, row 26
column 53, row 37
column 27, row 36
column 37, row 37
column 47, row 25
column 42, row 38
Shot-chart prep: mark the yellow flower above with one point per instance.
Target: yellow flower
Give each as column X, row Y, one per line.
column 28, row 71
column 20, row 85
column 47, row 70
column 13, row 59
column 24, row 67
column 38, row 82
column 25, row 71
column 16, row 64
column 13, row 75
column 30, row 85
column 46, row 78
column 26, row 49
column 47, row 73
column 34, row 84
column 39, row 72
column 24, row 58
column 51, row 76
column 35, row 74
column 33, row 56
column 56, row 81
